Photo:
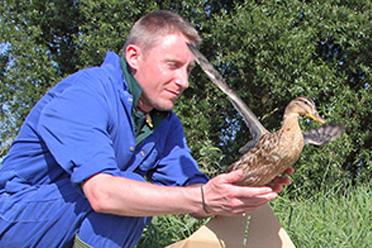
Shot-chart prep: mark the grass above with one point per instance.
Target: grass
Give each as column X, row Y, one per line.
column 339, row 218
column 165, row 230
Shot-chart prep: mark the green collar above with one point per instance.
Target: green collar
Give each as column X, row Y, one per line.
column 134, row 88
column 144, row 124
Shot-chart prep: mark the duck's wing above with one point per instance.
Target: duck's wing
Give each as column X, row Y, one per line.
column 254, row 125
column 324, row 134
column 263, row 163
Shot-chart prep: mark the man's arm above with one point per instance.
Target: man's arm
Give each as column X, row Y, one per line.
column 126, row 197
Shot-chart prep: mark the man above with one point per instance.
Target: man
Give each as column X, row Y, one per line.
column 102, row 151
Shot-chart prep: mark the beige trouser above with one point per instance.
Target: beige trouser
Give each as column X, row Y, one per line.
column 260, row 229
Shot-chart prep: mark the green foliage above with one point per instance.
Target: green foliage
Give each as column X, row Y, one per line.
column 28, row 71
column 104, row 27
column 269, row 51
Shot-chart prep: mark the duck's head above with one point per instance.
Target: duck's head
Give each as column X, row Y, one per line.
column 304, row 106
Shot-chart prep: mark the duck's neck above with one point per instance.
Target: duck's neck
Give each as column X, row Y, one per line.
column 290, row 120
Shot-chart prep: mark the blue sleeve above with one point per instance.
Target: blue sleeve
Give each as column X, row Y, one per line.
column 176, row 166
column 74, row 127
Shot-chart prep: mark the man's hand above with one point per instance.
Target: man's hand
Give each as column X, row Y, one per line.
column 222, row 197
column 283, row 180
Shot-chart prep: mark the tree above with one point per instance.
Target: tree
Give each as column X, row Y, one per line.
column 269, row 52
column 272, row 52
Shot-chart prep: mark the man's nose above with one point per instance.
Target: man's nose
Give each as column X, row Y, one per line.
column 183, row 79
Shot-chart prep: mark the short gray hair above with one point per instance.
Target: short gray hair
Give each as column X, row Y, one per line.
column 150, row 27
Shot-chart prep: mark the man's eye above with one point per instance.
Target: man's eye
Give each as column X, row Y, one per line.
column 172, row 64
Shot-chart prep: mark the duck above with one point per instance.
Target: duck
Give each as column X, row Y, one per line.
column 268, row 154
column 276, row 151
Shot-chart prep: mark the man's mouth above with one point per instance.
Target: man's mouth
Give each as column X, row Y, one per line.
column 175, row 94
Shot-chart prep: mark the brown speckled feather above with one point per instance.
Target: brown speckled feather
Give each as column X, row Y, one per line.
column 271, row 156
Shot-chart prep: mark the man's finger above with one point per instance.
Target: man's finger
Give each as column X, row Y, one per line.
column 289, row 171
column 257, row 192
column 280, row 180
column 233, row 176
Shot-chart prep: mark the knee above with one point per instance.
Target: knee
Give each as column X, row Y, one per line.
column 105, row 230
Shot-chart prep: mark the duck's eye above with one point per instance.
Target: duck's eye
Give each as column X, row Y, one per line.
column 307, row 102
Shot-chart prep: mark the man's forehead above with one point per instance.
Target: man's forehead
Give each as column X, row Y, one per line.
column 178, row 53
column 171, row 40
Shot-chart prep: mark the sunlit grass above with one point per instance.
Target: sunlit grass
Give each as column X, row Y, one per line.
column 339, row 218
column 165, row 230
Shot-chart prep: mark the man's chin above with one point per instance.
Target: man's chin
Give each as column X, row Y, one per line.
column 164, row 107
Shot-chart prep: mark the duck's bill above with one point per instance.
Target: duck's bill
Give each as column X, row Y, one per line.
column 316, row 117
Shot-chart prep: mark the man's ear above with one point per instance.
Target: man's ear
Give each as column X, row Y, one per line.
column 132, row 56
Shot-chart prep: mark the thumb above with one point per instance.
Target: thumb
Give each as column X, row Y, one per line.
column 234, row 176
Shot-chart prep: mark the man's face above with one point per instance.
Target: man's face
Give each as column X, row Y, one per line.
column 163, row 72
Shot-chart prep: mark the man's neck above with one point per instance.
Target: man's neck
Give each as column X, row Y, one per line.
column 142, row 106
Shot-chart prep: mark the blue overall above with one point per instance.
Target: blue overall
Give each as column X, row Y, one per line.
column 81, row 127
